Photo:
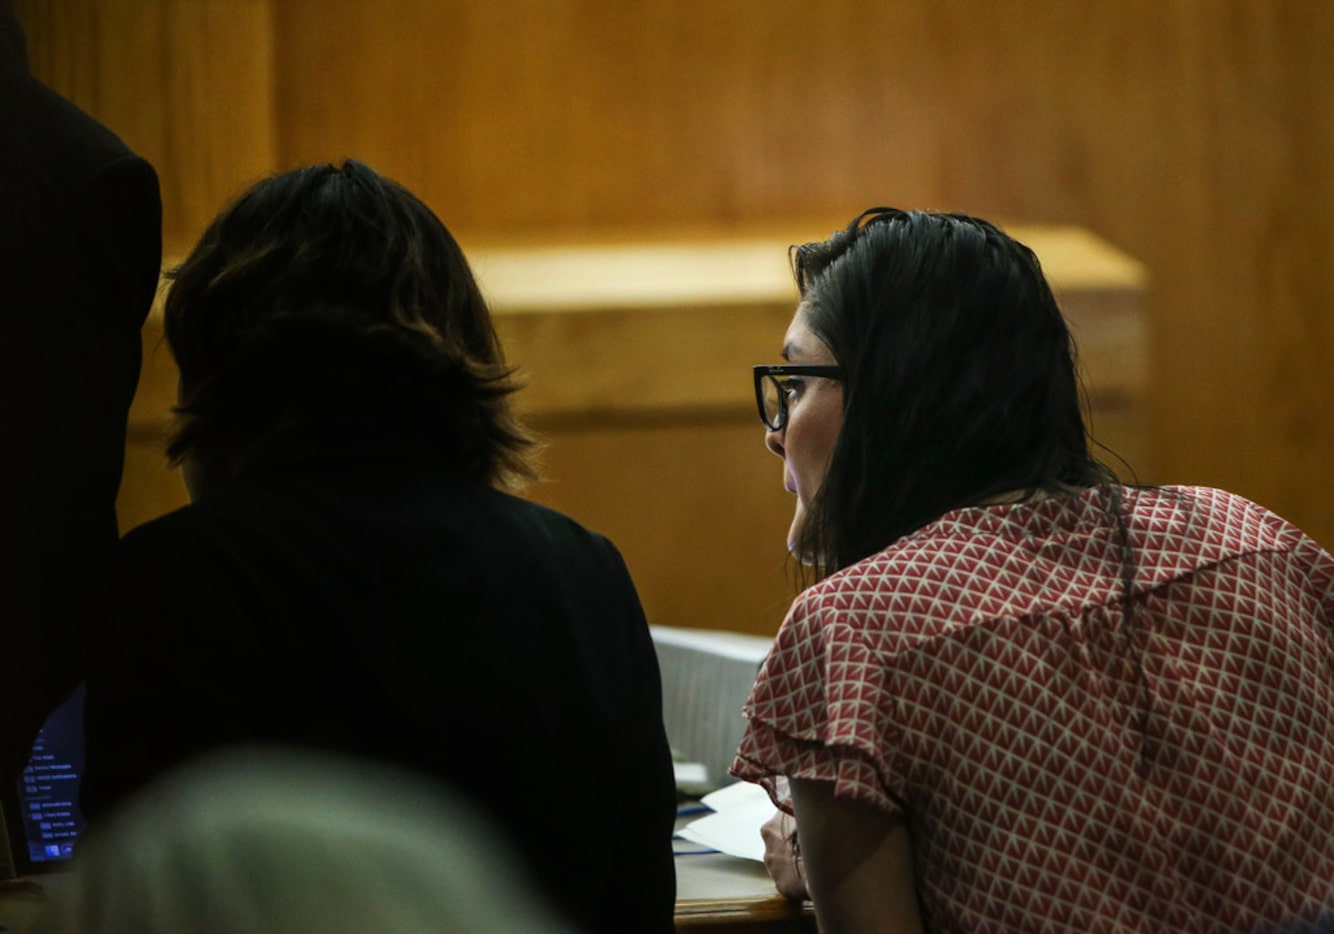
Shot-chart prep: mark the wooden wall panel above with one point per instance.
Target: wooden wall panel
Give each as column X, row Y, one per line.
column 585, row 113
column 696, row 506
column 636, row 359
column 189, row 84
column 1194, row 134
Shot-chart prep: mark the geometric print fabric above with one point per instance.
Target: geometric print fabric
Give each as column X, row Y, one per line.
column 1065, row 759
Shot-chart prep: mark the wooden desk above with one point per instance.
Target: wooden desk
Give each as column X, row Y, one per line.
column 717, row 893
column 720, row 893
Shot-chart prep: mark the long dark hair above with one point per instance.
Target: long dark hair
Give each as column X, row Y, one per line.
column 332, row 291
column 959, row 379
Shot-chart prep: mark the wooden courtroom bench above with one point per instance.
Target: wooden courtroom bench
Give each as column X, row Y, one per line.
column 637, row 352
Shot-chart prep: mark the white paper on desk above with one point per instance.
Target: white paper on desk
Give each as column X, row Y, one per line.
column 741, row 809
column 735, row 795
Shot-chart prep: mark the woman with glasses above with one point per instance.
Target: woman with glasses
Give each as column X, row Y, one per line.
column 1020, row 694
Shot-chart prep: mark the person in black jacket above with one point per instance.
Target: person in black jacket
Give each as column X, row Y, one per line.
column 352, row 572
column 80, row 256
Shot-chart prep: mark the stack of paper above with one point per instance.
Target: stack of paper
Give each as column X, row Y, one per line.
column 740, row 810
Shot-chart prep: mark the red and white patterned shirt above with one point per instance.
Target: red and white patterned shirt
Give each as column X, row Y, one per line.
column 1058, row 769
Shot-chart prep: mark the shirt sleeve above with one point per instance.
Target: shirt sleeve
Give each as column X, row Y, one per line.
column 822, row 708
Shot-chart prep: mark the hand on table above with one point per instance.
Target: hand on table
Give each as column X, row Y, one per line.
column 782, row 856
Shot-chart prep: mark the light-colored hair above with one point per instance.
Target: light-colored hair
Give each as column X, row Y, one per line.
column 293, row 841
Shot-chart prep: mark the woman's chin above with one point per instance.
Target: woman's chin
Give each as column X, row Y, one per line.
column 798, row 523
column 800, row 557
column 794, row 541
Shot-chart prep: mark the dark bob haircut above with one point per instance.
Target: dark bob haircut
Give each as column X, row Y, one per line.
column 332, row 291
column 959, row 379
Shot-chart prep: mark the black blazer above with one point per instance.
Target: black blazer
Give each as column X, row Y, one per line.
column 80, row 255
column 348, row 592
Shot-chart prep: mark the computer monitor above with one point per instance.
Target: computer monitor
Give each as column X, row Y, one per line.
column 42, row 818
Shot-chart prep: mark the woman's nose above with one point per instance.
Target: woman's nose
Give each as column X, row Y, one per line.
column 773, row 440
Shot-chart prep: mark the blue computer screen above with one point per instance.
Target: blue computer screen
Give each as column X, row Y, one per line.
column 48, row 789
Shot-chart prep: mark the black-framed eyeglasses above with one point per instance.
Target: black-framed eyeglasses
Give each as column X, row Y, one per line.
column 773, row 383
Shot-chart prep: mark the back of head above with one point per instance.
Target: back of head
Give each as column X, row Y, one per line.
column 280, row 841
column 959, row 376
column 332, row 292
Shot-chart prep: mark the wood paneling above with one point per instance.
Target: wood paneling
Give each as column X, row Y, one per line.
column 189, row 84
column 636, row 356
column 1194, row 134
